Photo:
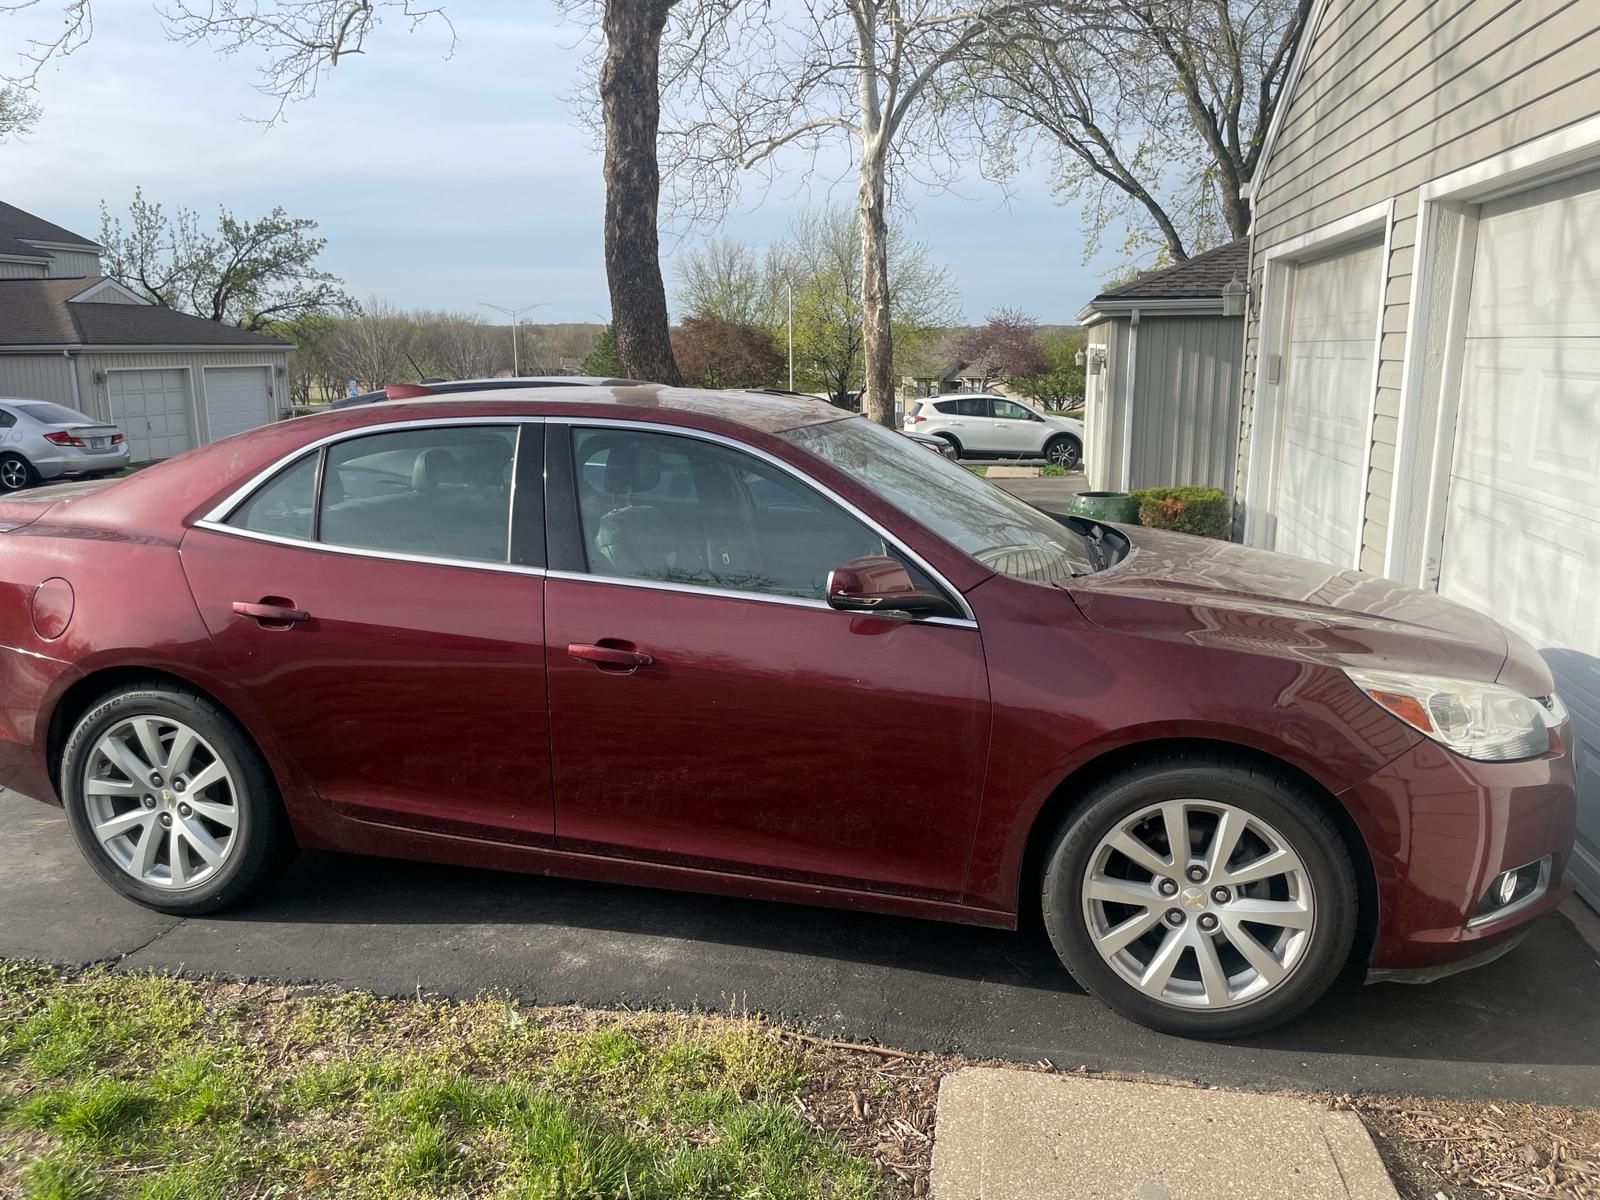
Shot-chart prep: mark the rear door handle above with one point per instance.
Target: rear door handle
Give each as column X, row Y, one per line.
column 271, row 612
column 610, row 654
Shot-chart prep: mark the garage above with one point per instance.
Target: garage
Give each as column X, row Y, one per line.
column 1521, row 537
column 151, row 407
column 1329, row 351
column 237, row 398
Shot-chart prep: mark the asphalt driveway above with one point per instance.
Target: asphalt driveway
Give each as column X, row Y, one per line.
column 1527, row 1027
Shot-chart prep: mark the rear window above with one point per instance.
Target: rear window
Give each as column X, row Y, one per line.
column 54, row 414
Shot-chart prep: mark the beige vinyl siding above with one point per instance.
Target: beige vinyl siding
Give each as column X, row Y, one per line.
column 96, row 404
column 1185, row 406
column 73, row 264
column 1393, row 94
column 37, row 377
column 22, row 270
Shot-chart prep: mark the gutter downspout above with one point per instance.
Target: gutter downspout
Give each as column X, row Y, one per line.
column 72, row 368
column 1126, row 483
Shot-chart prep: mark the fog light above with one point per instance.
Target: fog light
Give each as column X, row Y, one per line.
column 1513, row 887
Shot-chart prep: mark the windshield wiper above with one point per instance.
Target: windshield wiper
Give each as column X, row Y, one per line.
column 1097, row 552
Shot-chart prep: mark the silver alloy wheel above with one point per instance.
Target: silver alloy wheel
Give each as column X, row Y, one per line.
column 161, row 801
column 1199, row 904
column 1063, row 452
column 13, row 474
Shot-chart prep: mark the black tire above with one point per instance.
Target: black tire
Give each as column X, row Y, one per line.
column 955, row 443
column 16, row 473
column 1275, row 798
column 264, row 842
column 1064, row 451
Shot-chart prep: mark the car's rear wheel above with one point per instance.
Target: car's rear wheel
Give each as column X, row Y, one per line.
column 1201, row 896
column 16, row 473
column 1065, row 451
column 171, row 802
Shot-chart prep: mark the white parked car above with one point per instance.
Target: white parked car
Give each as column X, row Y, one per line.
column 986, row 426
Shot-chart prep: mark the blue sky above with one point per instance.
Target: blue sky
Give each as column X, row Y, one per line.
column 442, row 182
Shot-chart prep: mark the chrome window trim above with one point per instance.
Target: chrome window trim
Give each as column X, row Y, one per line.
column 475, row 564
column 806, row 480
column 696, row 589
column 215, row 518
column 219, row 513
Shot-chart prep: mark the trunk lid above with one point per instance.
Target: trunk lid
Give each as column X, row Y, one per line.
column 24, row 508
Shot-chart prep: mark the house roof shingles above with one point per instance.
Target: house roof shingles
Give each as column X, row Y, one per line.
column 36, row 312
column 24, row 226
column 1199, row 278
column 10, row 247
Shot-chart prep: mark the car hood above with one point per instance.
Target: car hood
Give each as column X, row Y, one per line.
column 1067, row 424
column 1234, row 597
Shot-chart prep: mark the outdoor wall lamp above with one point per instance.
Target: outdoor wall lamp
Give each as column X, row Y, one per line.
column 1233, row 293
column 1094, row 359
column 99, row 376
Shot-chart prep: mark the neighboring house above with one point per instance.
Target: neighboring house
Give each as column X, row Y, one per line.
column 1422, row 374
column 942, row 379
column 168, row 380
column 1161, row 382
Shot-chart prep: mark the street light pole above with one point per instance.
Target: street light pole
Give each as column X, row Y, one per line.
column 788, row 287
column 514, row 314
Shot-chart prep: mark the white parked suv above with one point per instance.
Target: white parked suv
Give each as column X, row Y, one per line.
column 987, row 426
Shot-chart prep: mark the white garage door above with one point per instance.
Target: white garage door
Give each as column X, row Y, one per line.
column 237, row 398
column 1522, row 516
column 1327, row 394
column 152, row 410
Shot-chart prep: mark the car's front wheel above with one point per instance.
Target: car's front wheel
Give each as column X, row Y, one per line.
column 16, row 473
column 1065, row 451
column 1201, row 896
column 171, row 802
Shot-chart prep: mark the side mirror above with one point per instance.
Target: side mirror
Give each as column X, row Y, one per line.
column 879, row 584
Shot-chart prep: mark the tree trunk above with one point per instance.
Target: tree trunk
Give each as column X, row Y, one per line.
column 630, row 104
column 876, row 334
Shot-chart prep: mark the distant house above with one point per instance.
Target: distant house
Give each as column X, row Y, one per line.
column 1161, row 384
column 939, row 379
column 73, row 336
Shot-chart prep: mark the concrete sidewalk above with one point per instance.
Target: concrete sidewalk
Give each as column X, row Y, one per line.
column 1018, row 1135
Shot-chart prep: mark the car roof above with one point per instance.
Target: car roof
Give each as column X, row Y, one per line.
column 767, row 412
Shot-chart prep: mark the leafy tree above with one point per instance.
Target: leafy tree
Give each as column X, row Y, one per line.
column 18, row 111
column 821, row 258
column 1005, row 346
column 1059, row 384
column 311, row 372
column 602, row 360
column 246, row 273
column 1157, row 121
column 725, row 279
column 716, row 353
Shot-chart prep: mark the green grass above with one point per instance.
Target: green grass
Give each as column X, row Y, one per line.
column 978, row 470
column 158, row 1089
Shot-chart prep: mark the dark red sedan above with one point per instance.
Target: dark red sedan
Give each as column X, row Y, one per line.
column 749, row 644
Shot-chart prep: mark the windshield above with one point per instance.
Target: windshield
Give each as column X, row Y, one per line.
column 1000, row 531
column 53, row 414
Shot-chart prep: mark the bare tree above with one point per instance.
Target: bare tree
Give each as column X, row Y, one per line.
column 462, row 345
column 724, row 279
column 373, row 345
column 303, row 40
column 1160, row 119
column 881, row 75
column 18, row 111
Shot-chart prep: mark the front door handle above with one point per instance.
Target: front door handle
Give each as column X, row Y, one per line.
column 610, row 654
column 271, row 612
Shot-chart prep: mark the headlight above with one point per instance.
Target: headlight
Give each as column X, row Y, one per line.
column 1477, row 720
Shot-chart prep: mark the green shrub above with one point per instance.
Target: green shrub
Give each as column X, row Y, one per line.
column 1199, row 510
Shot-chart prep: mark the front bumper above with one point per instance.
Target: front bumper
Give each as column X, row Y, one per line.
column 1440, row 828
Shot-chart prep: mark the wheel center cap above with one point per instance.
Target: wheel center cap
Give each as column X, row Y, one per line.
column 1193, row 898
column 166, row 798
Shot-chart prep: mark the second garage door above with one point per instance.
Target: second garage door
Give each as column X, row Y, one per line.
column 1332, row 340
column 1522, row 515
column 151, row 408
column 237, row 398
